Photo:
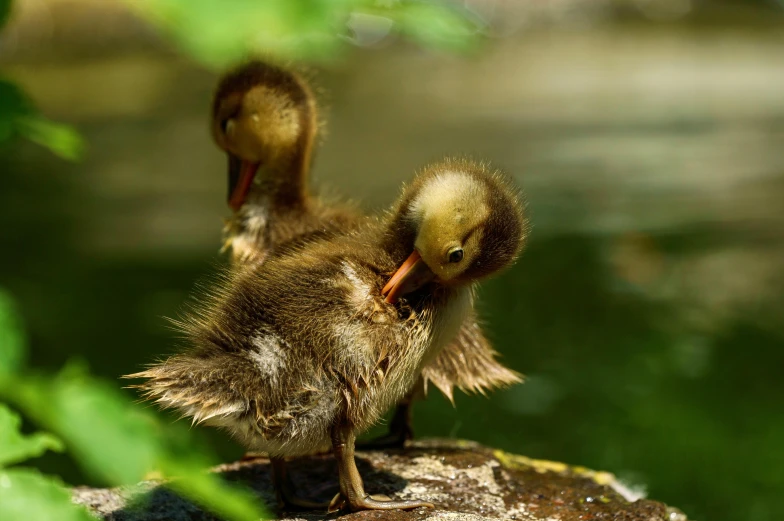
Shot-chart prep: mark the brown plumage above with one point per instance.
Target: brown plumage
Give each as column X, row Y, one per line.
column 265, row 118
column 314, row 345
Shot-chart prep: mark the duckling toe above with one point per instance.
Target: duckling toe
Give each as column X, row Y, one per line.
column 370, row 503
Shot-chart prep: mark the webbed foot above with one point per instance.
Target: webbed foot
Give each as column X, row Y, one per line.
column 352, row 494
column 374, row 502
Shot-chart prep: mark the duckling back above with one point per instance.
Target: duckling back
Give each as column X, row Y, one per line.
column 281, row 351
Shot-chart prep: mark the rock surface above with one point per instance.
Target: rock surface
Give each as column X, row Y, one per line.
column 466, row 481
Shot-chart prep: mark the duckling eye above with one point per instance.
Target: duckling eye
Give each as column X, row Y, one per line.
column 456, row 255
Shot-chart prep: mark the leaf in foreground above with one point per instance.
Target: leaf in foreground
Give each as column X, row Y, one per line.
column 120, row 443
column 110, row 439
column 216, row 495
column 16, row 447
column 26, row 494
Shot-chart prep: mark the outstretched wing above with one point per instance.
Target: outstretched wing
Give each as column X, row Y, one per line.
column 469, row 363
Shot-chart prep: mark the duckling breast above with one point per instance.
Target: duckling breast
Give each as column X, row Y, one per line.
column 388, row 345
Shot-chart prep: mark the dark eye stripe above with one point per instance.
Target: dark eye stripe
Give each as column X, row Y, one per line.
column 469, row 233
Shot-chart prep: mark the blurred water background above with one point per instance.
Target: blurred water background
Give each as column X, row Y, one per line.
column 648, row 136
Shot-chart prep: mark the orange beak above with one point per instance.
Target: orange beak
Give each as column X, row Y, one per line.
column 409, row 277
column 241, row 174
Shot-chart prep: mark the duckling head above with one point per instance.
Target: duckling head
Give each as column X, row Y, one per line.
column 466, row 222
column 263, row 117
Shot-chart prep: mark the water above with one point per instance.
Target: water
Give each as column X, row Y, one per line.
column 646, row 311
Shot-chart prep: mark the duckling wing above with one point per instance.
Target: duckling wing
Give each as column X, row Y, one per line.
column 469, row 363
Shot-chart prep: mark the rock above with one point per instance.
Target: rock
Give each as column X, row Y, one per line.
column 466, row 481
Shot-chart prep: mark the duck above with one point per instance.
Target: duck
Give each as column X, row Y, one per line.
column 311, row 348
column 265, row 118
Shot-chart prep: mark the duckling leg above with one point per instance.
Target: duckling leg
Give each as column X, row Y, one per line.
column 352, row 490
column 284, row 488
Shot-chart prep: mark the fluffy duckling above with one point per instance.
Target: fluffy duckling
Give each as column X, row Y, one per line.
column 313, row 347
column 265, row 118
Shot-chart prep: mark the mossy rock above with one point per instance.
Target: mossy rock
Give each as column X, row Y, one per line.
column 466, row 482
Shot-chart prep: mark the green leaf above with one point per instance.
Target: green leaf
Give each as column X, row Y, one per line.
column 111, row 439
column 18, row 117
column 15, row 447
column 213, row 493
column 26, row 494
column 221, row 33
column 119, row 442
column 61, row 139
column 12, row 338
column 437, row 26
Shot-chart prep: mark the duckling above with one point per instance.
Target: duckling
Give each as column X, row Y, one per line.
column 312, row 347
column 265, row 118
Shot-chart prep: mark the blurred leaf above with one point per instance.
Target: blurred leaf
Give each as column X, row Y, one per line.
column 26, row 494
column 221, row 33
column 18, row 116
column 60, row 139
column 109, row 438
column 209, row 490
column 5, row 10
column 218, row 33
column 12, row 338
column 15, row 447
column 434, row 25
column 119, row 442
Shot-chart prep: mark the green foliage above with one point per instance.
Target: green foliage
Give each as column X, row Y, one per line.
column 60, row 139
column 27, row 494
column 120, row 445
column 221, row 33
column 111, row 438
column 19, row 117
column 432, row 25
column 15, row 447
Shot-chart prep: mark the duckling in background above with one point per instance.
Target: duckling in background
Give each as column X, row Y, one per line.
column 265, row 118
column 312, row 347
